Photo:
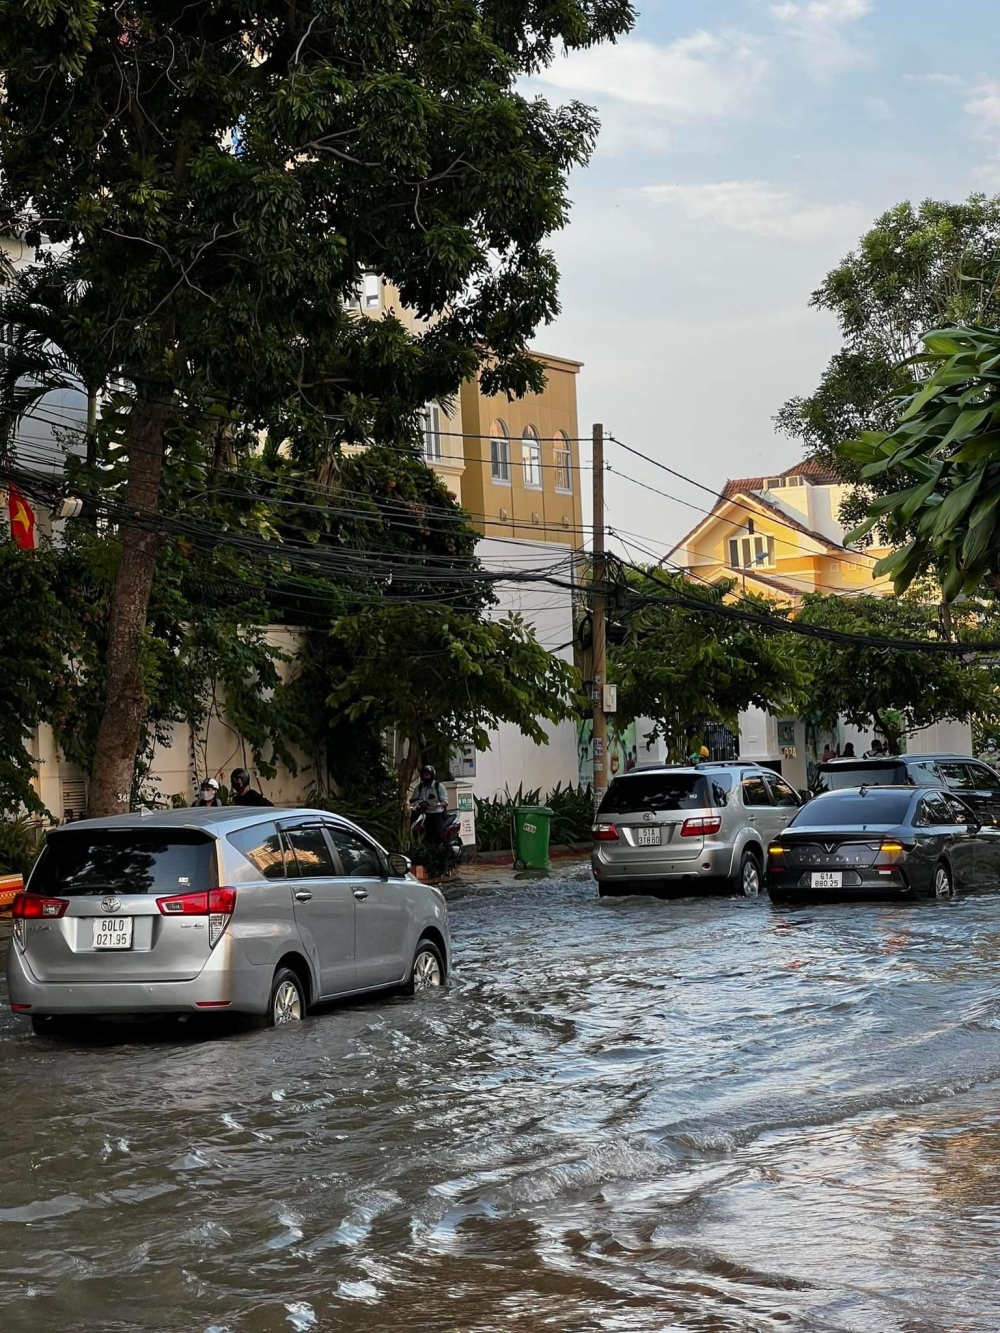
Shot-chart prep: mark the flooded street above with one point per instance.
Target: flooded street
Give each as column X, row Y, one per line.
column 623, row 1115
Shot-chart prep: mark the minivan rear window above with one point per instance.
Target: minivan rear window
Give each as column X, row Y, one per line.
column 78, row 862
column 850, row 808
column 656, row 791
column 870, row 775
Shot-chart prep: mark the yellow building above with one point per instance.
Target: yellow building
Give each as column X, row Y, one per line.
column 522, row 459
column 514, row 466
column 779, row 536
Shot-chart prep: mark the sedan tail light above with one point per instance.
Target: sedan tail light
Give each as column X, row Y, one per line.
column 701, row 828
column 604, row 833
column 776, row 858
column 217, row 904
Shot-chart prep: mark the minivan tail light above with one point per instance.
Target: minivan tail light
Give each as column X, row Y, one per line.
column 32, row 906
column 217, row 904
column 604, row 833
column 701, row 827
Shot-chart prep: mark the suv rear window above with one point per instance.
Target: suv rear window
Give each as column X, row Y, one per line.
column 878, row 807
column 838, row 777
column 656, row 791
column 75, row 863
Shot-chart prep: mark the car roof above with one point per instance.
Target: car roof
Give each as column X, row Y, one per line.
column 208, row 818
column 890, row 758
column 873, row 788
column 647, row 769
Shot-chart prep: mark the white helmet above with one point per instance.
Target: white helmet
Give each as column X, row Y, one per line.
column 210, row 782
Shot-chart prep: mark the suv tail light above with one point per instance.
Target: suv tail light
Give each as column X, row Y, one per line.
column 217, row 904
column 604, row 833
column 701, row 827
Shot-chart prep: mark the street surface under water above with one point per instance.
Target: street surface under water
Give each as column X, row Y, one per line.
column 625, row 1115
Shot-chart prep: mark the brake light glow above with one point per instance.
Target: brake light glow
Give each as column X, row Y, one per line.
column 217, row 904
column 701, row 827
column 892, row 846
column 604, row 833
column 33, row 906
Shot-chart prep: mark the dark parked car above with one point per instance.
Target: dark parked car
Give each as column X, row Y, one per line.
column 975, row 782
column 883, row 842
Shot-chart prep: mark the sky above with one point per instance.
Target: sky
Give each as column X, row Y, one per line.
column 746, row 145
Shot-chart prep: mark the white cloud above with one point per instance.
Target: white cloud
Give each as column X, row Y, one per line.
column 818, row 29
column 761, row 209
column 644, row 90
column 983, row 106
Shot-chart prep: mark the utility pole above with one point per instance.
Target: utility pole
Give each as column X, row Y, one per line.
column 599, row 585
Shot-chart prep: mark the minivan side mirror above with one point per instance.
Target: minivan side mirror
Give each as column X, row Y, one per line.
column 399, row 865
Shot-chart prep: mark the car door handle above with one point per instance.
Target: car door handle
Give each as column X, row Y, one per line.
column 361, row 894
column 303, row 896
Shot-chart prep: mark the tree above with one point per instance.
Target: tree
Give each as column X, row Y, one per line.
column 914, row 270
column 894, row 692
column 940, row 467
column 682, row 666
column 216, row 178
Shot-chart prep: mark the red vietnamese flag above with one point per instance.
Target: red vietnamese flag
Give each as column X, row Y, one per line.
column 22, row 519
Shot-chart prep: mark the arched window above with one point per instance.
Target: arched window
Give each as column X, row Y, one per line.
column 500, row 451
column 531, row 455
column 563, row 458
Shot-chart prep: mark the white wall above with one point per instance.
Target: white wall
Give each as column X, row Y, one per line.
column 512, row 760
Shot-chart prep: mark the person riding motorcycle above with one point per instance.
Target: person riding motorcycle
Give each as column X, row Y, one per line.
column 208, row 795
column 243, row 793
column 431, row 797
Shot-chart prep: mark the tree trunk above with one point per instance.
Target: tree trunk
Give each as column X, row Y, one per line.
column 406, row 771
column 125, row 704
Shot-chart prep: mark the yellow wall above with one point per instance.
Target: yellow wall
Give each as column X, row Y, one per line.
column 512, row 508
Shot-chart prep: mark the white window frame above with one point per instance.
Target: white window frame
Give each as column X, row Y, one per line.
column 371, row 291
column 431, row 416
column 751, row 552
column 531, row 458
column 562, row 457
column 500, row 453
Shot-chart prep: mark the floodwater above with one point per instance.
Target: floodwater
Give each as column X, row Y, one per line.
column 704, row 1114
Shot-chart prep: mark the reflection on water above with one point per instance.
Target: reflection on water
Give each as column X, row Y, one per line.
column 627, row 1115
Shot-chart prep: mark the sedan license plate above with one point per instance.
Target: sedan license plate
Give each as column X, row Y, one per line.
column 113, row 932
column 647, row 837
column 828, row 879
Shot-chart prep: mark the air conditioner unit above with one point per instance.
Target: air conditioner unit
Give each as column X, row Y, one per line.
column 73, row 798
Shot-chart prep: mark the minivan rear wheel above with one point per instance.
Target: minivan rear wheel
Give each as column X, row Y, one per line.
column 288, row 1001
column 48, row 1025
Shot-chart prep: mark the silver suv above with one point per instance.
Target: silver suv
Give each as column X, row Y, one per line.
column 658, row 827
column 218, row 910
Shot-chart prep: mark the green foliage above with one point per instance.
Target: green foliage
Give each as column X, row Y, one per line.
column 33, row 683
column 896, row 692
column 572, row 813
column 572, row 816
column 940, row 466
column 19, row 845
column 683, row 666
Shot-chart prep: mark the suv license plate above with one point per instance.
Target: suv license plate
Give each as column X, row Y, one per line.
column 113, row 932
column 647, row 837
column 828, row 879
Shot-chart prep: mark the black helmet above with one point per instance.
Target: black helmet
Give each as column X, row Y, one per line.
column 240, row 778
column 428, row 771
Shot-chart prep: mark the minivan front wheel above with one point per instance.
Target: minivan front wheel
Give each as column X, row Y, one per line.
column 288, row 1002
column 427, row 971
column 748, row 881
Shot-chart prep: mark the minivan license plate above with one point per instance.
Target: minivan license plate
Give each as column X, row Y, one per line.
column 113, row 932
column 828, row 879
column 647, row 837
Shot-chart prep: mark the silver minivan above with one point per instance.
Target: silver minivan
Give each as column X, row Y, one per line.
column 233, row 910
column 660, row 827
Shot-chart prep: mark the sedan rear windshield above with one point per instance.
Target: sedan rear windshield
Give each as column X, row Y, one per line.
column 77, row 862
column 871, row 775
column 848, row 808
column 656, row 791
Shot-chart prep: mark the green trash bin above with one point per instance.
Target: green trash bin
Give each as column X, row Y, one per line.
column 532, row 825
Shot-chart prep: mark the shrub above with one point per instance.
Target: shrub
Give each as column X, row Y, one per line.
column 19, row 846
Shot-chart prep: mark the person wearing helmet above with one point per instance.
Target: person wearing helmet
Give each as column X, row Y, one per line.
column 431, row 796
column 209, row 793
column 243, row 793
column 699, row 756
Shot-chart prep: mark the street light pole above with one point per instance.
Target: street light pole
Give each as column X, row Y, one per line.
column 599, row 586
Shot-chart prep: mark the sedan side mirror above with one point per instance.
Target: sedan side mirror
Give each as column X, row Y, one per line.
column 399, row 865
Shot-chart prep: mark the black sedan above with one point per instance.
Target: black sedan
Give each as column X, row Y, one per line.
column 883, row 842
